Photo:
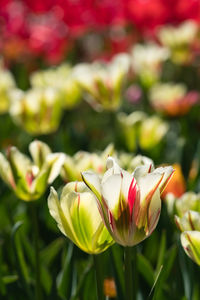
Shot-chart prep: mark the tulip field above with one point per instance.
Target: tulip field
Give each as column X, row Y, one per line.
column 100, row 150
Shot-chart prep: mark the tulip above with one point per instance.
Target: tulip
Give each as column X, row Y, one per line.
column 78, row 217
column 102, row 83
column 130, row 163
column 129, row 128
column 188, row 201
column 172, row 99
column 179, row 39
column 29, row 179
column 82, row 161
column 147, row 62
column 189, row 224
column 190, row 241
column 38, row 110
column 152, row 132
column 129, row 203
column 62, row 79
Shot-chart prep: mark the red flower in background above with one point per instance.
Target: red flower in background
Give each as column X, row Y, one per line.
column 46, row 28
column 148, row 14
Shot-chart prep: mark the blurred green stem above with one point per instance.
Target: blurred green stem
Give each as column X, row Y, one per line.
column 128, row 274
column 38, row 295
column 99, row 277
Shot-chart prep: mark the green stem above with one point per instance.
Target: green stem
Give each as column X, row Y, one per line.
column 38, row 295
column 99, row 277
column 128, row 274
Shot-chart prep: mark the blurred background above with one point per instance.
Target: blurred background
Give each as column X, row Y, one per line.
column 93, row 78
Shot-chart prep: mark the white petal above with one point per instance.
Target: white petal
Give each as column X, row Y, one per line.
column 111, row 192
column 92, row 180
column 142, row 171
column 39, row 151
column 167, row 172
column 56, row 160
column 148, row 184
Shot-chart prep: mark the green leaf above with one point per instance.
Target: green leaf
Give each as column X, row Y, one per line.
column 64, row 279
column 9, row 279
column 117, row 259
column 82, row 279
column 145, row 268
column 22, row 268
column 50, row 252
column 167, row 267
column 162, row 250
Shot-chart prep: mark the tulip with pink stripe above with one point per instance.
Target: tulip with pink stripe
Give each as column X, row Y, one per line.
column 129, row 204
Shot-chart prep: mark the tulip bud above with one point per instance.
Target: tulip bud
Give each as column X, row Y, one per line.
column 172, row 99
column 189, row 224
column 78, row 217
column 102, row 82
column 190, row 241
column 60, row 78
column 152, row 131
column 179, row 39
column 129, row 128
column 190, row 221
column 82, row 161
column 147, row 62
column 129, row 203
column 29, row 179
column 38, row 111
column 188, row 201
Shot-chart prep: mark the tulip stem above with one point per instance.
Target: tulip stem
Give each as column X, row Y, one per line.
column 99, row 277
column 128, row 273
column 36, row 249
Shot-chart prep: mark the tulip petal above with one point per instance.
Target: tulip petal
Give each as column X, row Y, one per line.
column 167, row 172
column 142, row 171
column 6, row 172
column 147, row 187
column 39, row 151
column 190, row 221
column 111, row 193
column 154, row 212
column 92, row 180
column 55, row 162
column 61, row 216
column 190, row 241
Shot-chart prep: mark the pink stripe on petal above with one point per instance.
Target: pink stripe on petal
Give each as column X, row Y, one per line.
column 132, row 193
column 111, row 221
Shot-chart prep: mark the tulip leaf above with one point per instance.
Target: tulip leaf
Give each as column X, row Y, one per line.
column 117, row 258
column 2, row 285
column 20, row 259
column 49, row 253
column 82, row 279
column 161, row 253
column 64, row 279
column 145, row 268
column 185, row 264
column 46, row 279
column 10, row 279
column 167, row 267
